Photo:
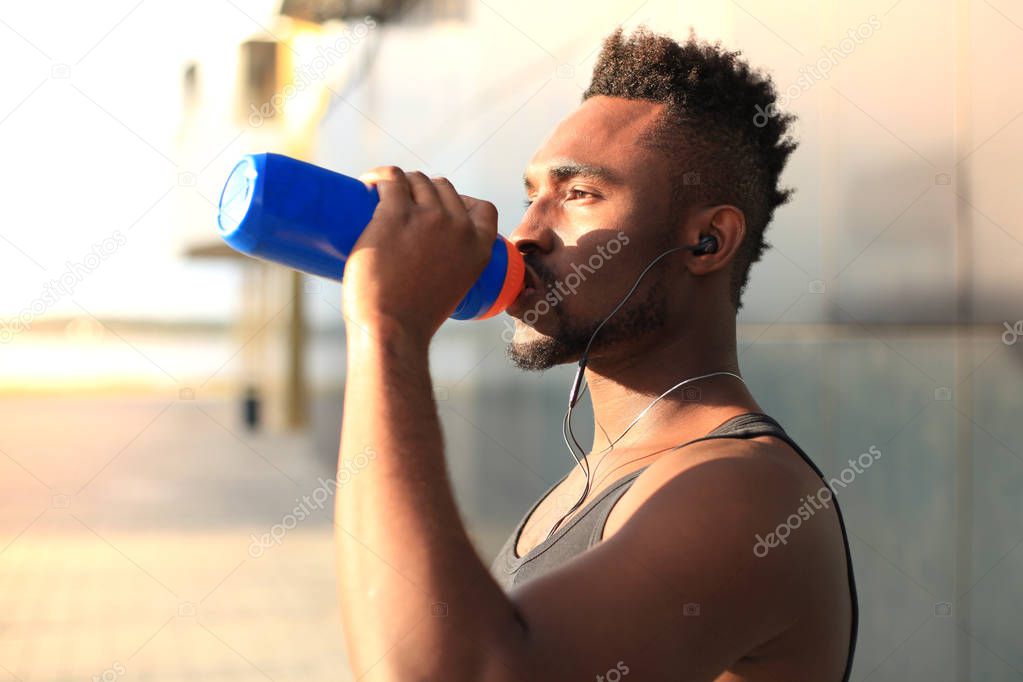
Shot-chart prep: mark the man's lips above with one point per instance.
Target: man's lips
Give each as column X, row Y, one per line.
column 532, row 285
column 531, row 281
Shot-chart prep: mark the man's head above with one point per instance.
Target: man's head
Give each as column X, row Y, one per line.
column 667, row 146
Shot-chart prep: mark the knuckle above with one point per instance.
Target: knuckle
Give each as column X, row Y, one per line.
column 381, row 174
column 485, row 214
column 390, row 172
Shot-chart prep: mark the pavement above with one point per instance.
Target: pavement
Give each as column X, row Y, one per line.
column 130, row 545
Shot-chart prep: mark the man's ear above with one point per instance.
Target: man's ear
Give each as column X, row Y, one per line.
column 727, row 224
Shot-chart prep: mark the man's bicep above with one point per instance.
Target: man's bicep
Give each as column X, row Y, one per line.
column 677, row 593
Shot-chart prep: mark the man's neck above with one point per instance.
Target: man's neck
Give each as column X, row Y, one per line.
column 621, row 387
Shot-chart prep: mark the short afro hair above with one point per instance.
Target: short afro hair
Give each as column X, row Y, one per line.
column 721, row 129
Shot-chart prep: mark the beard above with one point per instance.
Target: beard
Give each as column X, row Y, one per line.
column 637, row 318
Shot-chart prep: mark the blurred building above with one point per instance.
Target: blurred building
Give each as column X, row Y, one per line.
column 175, row 400
column 892, row 275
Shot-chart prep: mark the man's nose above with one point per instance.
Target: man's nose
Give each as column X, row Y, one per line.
column 531, row 236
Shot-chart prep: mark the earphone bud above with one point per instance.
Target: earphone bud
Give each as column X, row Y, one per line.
column 708, row 244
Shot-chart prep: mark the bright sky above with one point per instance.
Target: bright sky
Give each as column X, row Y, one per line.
column 95, row 145
column 90, row 125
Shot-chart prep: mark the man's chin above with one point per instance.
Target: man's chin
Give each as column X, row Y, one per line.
column 535, row 356
column 534, row 351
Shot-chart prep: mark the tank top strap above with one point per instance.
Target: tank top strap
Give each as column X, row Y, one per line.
column 754, row 425
column 748, row 425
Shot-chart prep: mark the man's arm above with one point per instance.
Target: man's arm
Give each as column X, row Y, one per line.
column 413, row 592
column 417, row 603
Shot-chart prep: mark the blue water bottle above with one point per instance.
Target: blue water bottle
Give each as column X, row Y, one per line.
column 308, row 218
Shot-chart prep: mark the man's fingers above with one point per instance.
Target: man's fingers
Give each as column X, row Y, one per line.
column 482, row 213
column 381, row 173
column 392, row 186
column 423, row 191
column 400, row 191
column 451, row 200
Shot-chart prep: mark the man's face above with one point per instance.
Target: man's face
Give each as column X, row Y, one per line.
column 599, row 212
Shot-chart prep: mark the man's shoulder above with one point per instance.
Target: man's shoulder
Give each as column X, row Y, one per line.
column 730, row 490
column 695, row 522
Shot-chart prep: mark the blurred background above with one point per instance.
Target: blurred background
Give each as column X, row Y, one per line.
column 169, row 411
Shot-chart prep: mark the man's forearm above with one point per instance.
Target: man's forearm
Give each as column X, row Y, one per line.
column 416, row 601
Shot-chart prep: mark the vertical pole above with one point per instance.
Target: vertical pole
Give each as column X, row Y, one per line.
column 963, row 396
column 830, row 190
column 296, row 389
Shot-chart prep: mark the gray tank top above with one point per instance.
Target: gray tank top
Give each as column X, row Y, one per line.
column 586, row 528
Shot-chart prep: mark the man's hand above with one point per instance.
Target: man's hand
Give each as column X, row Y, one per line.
column 418, row 257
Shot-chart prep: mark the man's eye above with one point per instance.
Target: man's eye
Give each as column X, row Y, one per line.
column 527, row 202
column 576, row 193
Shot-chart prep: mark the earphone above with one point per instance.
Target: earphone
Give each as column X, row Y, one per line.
column 706, row 244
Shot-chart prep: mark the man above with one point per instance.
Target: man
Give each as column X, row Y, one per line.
column 679, row 563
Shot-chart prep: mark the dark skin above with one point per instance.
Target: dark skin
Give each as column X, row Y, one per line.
column 683, row 533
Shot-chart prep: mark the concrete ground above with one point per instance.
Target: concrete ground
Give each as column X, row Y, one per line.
column 127, row 551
